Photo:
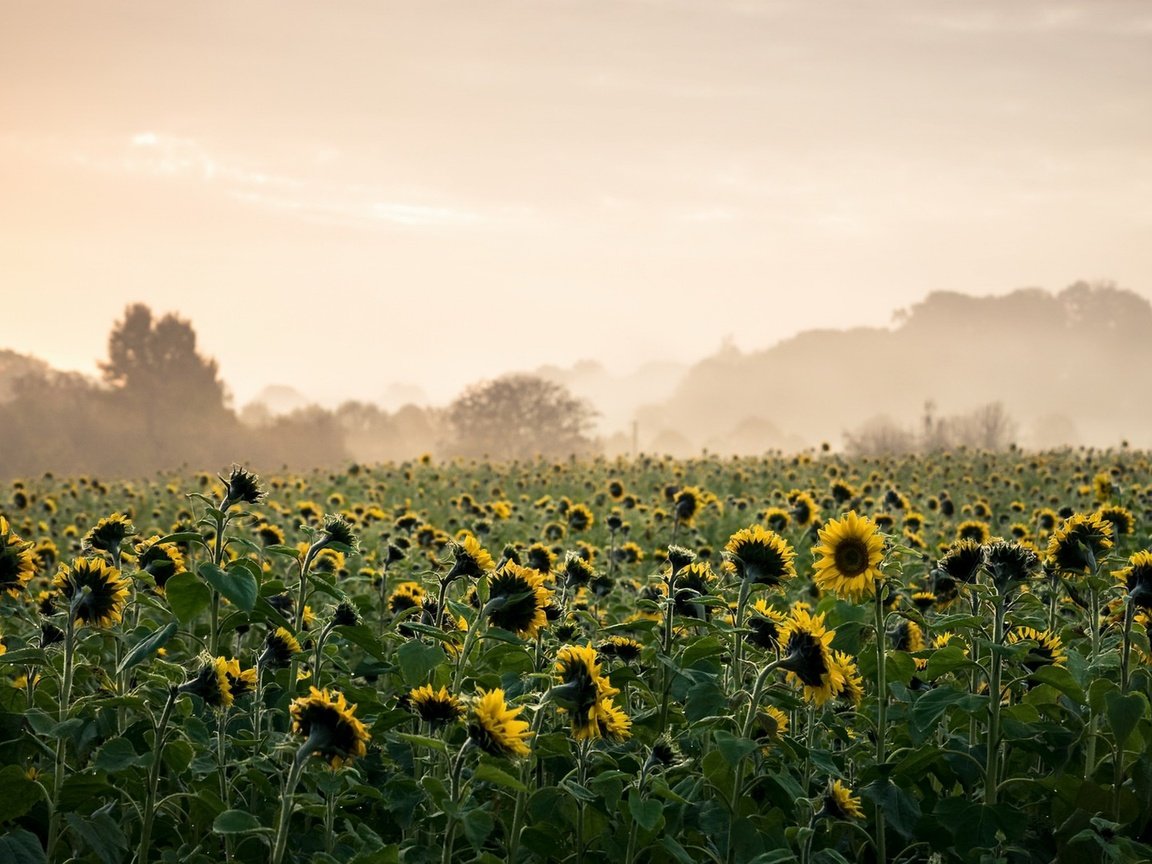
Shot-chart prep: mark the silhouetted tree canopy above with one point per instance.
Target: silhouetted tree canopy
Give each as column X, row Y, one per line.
column 519, row 416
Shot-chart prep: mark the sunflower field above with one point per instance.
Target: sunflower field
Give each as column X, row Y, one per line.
column 937, row 658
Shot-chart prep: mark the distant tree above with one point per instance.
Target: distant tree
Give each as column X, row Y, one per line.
column 519, row 416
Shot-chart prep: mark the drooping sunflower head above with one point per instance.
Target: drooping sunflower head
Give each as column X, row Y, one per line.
column 159, row 560
column 494, row 727
column 470, row 559
column 849, row 556
column 840, row 803
column 760, row 556
column 17, row 561
column 338, row 530
column 435, row 707
column 1079, row 543
column 577, row 570
column 211, row 682
column 406, row 595
column 621, row 647
column 808, row 658
column 581, row 685
column 766, row 624
column 957, row 568
column 1120, row 518
column 1010, row 563
column 95, row 592
column 279, row 647
column 518, row 600
column 240, row 681
column 1049, row 649
column 329, row 726
column 851, row 692
column 612, row 724
column 1137, row 579
column 907, row 636
column 107, row 534
column 242, row 487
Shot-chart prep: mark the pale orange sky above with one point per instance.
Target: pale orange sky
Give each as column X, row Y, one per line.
column 340, row 195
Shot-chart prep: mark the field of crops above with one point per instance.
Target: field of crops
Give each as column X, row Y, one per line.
column 939, row 658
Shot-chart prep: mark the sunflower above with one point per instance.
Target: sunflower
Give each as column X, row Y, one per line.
column 1079, row 543
column 109, row 533
column 620, row 647
column 805, row 511
column 581, row 689
column 686, row 504
column 840, row 803
column 765, row 624
column 470, row 559
column 1120, row 518
column 1137, row 579
column 850, row 552
column 159, row 560
column 211, row 682
column 577, row 570
column 243, row 487
column 518, row 599
column 1010, row 563
column 1049, row 649
column 771, row 724
column 269, row 534
column 279, row 647
column 329, row 725
column 760, row 556
column 435, row 707
column 907, row 636
column 406, row 596
column 580, row 517
column 808, row 658
column 852, row 691
column 923, row 600
column 494, row 727
column 240, row 681
column 612, row 724
column 958, row 567
column 17, row 561
column 693, row 582
column 96, row 592
column 540, row 557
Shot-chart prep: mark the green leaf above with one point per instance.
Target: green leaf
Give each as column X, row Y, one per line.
column 286, row 551
column 902, row 810
column 417, row 661
column 25, row 657
column 236, row 822
column 21, row 847
column 363, row 637
column 900, row 666
column 477, row 825
column 238, row 584
column 422, row 741
column 489, row 773
column 17, row 794
column 148, row 645
column 102, row 834
column 732, row 747
column 80, row 790
column 646, row 813
column 931, row 706
column 1062, row 680
column 182, row 537
column 187, row 596
column 117, row 754
column 1124, row 712
column 947, row 659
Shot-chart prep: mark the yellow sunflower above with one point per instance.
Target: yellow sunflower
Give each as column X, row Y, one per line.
column 808, row 658
column 436, row 707
column 760, row 556
column 849, row 553
column 840, row 803
column 518, row 600
column 329, row 725
column 17, row 560
column 96, row 593
column 494, row 727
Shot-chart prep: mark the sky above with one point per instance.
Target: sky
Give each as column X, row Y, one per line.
column 347, row 194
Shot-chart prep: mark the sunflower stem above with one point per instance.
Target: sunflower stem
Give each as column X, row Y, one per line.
column 286, row 805
column 881, row 635
column 745, row 731
column 1126, row 647
column 992, row 761
column 737, row 636
column 149, row 811
column 454, row 792
column 54, row 828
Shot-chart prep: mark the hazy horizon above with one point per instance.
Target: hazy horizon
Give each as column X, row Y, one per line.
column 347, row 196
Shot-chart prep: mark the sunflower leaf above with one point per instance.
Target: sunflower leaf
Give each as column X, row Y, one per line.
column 187, row 596
column 148, row 645
column 21, row 847
column 489, row 773
column 18, row 794
column 238, row 585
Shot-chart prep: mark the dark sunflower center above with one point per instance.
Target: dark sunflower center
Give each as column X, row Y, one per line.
column 851, row 557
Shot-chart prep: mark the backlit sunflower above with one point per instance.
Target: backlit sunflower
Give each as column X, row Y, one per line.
column 435, row 707
column 840, row 803
column 808, row 657
column 159, row 560
column 765, row 624
column 581, row 689
column 494, row 727
column 805, row 511
column 470, row 559
column 518, row 599
column 17, row 561
column 211, row 682
column 1010, row 563
column 612, row 724
column 849, row 556
column 1079, row 543
column 95, row 592
column 1137, row 579
column 109, row 533
column 760, row 556
column 329, row 726
column 1049, row 649
column 1120, row 518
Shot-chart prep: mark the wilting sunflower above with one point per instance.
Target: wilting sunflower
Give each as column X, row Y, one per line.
column 1079, row 543
column 435, row 707
column 329, row 725
column 518, row 599
column 808, row 658
column 1137, row 579
column 1049, row 649
column 17, row 561
column 840, row 803
column 760, row 556
column 96, row 593
column 469, row 559
column 1010, row 563
column 211, row 682
column 109, row 533
column 494, row 727
column 278, row 649
column 849, row 553
column 159, row 560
